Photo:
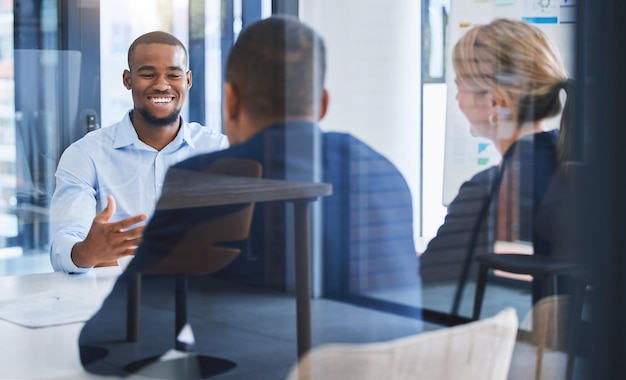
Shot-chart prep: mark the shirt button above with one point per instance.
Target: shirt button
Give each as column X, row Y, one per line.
column 160, row 184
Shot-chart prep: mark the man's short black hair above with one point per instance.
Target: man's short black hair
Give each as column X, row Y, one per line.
column 277, row 68
column 156, row 37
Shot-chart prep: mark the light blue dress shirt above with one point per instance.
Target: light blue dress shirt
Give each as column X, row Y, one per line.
column 114, row 161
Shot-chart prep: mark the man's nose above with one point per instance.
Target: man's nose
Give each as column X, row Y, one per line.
column 161, row 83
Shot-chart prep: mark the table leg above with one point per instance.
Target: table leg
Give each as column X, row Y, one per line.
column 303, row 275
column 133, row 306
column 182, row 288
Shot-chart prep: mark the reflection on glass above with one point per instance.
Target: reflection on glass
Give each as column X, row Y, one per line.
column 8, row 200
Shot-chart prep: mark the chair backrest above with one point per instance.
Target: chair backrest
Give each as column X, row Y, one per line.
column 198, row 251
column 552, row 222
column 477, row 350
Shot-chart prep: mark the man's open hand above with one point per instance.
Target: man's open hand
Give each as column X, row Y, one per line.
column 106, row 242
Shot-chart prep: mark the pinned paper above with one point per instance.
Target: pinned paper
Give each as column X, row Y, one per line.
column 541, row 12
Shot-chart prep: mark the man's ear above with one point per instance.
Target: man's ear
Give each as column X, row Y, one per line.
column 232, row 105
column 189, row 79
column 126, row 79
column 324, row 105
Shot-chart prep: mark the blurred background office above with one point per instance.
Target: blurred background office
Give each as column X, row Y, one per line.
column 61, row 63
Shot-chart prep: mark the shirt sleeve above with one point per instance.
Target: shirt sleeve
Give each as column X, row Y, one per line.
column 73, row 207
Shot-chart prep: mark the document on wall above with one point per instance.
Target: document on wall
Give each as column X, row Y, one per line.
column 46, row 309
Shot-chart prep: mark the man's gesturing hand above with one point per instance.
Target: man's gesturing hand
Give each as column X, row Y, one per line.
column 106, row 242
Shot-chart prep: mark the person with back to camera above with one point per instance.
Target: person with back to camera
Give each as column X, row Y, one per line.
column 108, row 182
column 255, row 114
column 274, row 96
column 509, row 78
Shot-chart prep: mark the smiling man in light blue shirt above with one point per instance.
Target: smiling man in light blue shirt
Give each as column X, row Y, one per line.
column 108, row 182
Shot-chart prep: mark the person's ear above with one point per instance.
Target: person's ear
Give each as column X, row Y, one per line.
column 189, row 79
column 126, row 79
column 232, row 104
column 324, row 104
column 497, row 100
column 498, row 105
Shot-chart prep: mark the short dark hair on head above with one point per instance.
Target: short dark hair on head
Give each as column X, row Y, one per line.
column 157, row 37
column 277, row 67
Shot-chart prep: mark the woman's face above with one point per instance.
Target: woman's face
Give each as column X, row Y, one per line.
column 476, row 106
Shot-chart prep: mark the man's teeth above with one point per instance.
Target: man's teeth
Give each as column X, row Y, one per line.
column 161, row 100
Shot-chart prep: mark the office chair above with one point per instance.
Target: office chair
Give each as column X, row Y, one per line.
column 197, row 253
column 547, row 267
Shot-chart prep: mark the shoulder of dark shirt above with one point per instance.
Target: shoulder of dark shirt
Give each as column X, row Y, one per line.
column 199, row 162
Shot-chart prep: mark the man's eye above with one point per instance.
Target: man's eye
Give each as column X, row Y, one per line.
column 147, row 75
column 175, row 76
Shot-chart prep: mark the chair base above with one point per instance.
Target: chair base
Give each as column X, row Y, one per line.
column 191, row 366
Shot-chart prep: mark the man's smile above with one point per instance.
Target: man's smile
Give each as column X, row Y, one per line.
column 161, row 99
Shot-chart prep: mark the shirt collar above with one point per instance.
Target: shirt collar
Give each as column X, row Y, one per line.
column 126, row 135
column 185, row 136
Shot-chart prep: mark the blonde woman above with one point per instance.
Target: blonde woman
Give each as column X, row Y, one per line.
column 509, row 79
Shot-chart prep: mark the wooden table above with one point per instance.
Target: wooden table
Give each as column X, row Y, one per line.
column 189, row 189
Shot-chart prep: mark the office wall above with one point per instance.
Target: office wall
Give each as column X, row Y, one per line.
column 373, row 76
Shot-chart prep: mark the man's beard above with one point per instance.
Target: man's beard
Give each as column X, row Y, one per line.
column 159, row 122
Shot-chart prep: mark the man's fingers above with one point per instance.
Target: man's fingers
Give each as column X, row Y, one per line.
column 134, row 234
column 130, row 246
column 125, row 243
column 130, row 251
column 105, row 215
column 125, row 223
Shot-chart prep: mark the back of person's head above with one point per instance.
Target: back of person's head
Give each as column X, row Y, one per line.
column 517, row 61
column 277, row 67
column 156, row 37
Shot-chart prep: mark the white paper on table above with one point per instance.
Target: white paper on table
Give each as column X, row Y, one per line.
column 46, row 309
